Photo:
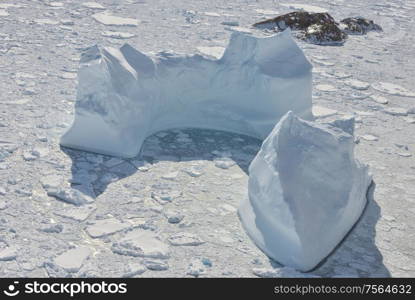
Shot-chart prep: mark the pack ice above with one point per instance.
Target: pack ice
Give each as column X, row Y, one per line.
column 306, row 191
column 124, row 95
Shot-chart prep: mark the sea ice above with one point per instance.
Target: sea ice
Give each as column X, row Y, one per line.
column 93, row 5
column 118, row 35
column 395, row 111
column 379, row 99
column 214, row 52
column 304, row 186
column 105, row 227
column 156, row 264
column 185, row 239
column 73, row 259
column 247, row 90
column 357, row 84
column 326, row 87
column 8, row 253
column 142, row 243
column 306, row 7
column 70, row 195
column 321, row 111
column 392, row 89
column 107, row 19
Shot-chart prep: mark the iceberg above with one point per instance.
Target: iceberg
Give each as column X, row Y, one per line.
column 125, row 95
column 305, row 191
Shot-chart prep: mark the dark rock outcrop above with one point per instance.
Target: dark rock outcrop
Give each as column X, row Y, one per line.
column 359, row 25
column 318, row 28
column 297, row 20
column 324, row 34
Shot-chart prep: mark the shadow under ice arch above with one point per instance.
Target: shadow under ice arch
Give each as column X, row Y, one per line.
column 124, row 95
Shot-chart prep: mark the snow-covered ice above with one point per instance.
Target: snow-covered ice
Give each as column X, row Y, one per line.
column 185, row 239
column 306, row 7
column 37, row 106
column 73, row 259
column 392, row 89
column 105, row 227
column 8, row 253
column 107, row 19
column 118, row 35
column 273, row 71
column 93, row 5
column 142, row 243
column 279, row 216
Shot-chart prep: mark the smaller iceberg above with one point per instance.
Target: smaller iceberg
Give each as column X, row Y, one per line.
column 306, row 191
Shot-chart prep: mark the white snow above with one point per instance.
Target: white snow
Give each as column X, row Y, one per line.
column 326, row 88
column 185, row 239
column 379, row 99
column 304, row 172
column 267, row 12
column 396, row 111
column 118, row 35
column 273, row 71
column 321, row 111
column 306, row 7
column 73, row 259
column 8, row 253
column 46, row 21
column 211, row 14
column 213, row 52
column 107, row 19
column 134, row 269
column 357, row 84
column 93, row 5
column 224, row 162
column 195, row 268
column 70, row 195
column 105, row 227
column 369, row 137
column 392, row 89
column 156, row 264
column 142, row 243
column 77, row 213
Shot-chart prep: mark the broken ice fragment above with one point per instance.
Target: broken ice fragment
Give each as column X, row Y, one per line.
column 118, row 35
column 392, row 89
column 70, row 195
column 306, row 191
column 8, row 253
column 214, row 52
column 73, row 259
column 76, row 213
column 142, row 243
column 156, row 265
column 93, row 5
column 185, row 239
column 107, row 19
column 101, row 228
column 357, row 84
column 395, row 111
column 326, row 87
column 320, row 111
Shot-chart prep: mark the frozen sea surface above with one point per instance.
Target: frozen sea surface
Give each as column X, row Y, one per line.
column 40, row 46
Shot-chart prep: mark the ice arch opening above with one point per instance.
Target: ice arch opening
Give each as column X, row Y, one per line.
column 124, row 95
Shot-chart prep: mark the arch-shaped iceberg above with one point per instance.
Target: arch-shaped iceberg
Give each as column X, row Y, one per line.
column 124, row 95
